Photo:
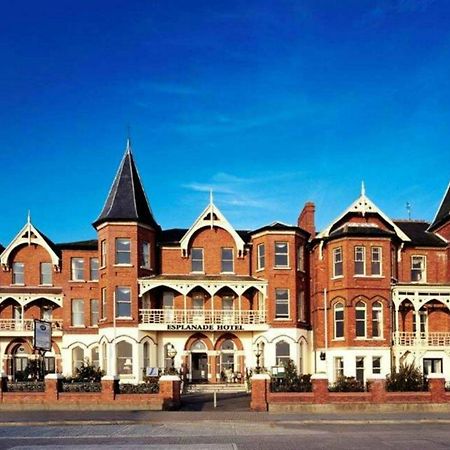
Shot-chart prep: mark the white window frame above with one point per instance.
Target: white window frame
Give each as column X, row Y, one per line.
column 261, row 257
column 338, row 307
column 423, row 268
column 200, row 249
column 223, row 260
column 360, row 306
column 103, row 253
column 280, row 358
column 377, row 307
column 76, row 273
column 281, row 254
column 146, row 259
column 378, row 261
column 95, row 313
column 338, row 262
column 77, row 312
column 338, row 367
column 18, row 274
column 282, row 301
column 119, row 253
column 301, row 316
column 118, row 302
column 93, row 272
column 42, row 275
column 360, row 367
column 359, row 261
column 104, row 300
column 376, row 369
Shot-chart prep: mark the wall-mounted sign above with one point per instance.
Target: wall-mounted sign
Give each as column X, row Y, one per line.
column 42, row 335
column 209, row 327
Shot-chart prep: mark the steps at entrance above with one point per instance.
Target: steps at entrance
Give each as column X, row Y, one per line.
column 205, row 388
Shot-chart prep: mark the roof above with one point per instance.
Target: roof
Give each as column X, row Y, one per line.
column 173, row 236
column 358, row 230
column 279, row 226
column 443, row 212
column 230, row 278
column 1, row 248
column 79, row 245
column 417, row 231
column 126, row 200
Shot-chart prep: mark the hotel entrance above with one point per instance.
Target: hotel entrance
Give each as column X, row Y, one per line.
column 199, row 362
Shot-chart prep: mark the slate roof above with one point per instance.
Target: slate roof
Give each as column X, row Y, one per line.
column 354, row 230
column 417, row 231
column 443, row 214
column 79, row 245
column 279, row 226
column 1, row 248
column 127, row 200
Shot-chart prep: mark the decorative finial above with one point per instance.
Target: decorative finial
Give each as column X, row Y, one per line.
column 211, row 196
column 128, row 139
column 363, row 189
column 29, row 217
column 408, row 208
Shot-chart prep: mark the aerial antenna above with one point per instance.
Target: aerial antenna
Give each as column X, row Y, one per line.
column 408, row 208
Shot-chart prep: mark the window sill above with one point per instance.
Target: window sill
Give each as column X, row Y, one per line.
column 82, row 327
column 227, row 273
column 46, row 285
column 260, row 270
column 340, row 339
column 123, row 265
column 361, row 275
column 146, row 267
column 197, row 273
column 18, row 284
column 124, row 318
column 361, row 338
column 282, row 268
column 77, row 281
column 338, row 277
column 282, row 319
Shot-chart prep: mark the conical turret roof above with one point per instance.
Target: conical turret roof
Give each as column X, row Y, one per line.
column 126, row 201
column 443, row 213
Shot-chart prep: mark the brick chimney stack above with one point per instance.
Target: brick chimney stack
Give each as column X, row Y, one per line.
column 306, row 218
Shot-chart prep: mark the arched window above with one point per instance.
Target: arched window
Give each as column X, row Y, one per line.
column 338, row 320
column 282, row 353
column 300, row 357
column 104, row 357
column 77, row 358
column 198, row 346
column 227, row 360
column 124, row 351
column 377, row 320
column 95, row 357
column 360, row 319
column 145, row 356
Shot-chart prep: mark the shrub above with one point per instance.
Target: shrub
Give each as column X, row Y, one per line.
column 347, row 384
column 80, row 386
column 292, row 381
column 26, row 386
column 143, row 388
column 408, row 378
column 88, row 372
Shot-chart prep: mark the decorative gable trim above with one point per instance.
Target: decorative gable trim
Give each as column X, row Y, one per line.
column 28, row 235
column 211, row 217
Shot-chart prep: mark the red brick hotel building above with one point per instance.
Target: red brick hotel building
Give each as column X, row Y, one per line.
column 357, row 298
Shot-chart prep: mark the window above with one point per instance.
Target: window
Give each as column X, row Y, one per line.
column 94, row 312
column 94, row 269
column 227, row 302
column 198, row 302
column 197, row 259
column 261, row 263
column 77, row 266
column 377, row 320
column 337, row 262
column 145, row 255
column 282, row 353
column 123, row 301
column 301, row 306
column 46, row 313
column 432, row 365
column 103, row 303
column 418, row 268
column 46, row 273
column 104, row 357
column 360, row 257
column 103, row 253
column 77, row 358
column 168, row 298
column 376, row 364
column 281, row 303
column 18, row 273
column 301, row 258
column 146, row 356
column 49, row 363
column 360, row 318
column 95, row 357
column 281, row 254
column 227, row 260
column 78, row 313
column 123, row 251
column 338, row 367
column 360, row 368
column 423, row 322
column 338, row 320
column 375, row 267
column 124, row 358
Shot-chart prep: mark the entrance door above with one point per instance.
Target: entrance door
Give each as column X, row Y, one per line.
column 199, row 367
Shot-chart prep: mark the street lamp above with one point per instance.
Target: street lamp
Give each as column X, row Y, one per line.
column 258, row 352
column 171, row 353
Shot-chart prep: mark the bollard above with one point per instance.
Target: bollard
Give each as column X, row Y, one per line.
column 215, row 399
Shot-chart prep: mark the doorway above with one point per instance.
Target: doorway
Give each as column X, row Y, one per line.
column 199, row 367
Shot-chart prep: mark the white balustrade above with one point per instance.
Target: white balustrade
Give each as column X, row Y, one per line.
column 24, row 325
column 412, row 339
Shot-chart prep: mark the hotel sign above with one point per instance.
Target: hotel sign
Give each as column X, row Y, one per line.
column 204, row 327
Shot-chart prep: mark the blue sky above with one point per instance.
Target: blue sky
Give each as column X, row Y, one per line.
column 270, row 103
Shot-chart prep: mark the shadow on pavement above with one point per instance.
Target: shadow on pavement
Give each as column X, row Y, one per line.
column 239, row 401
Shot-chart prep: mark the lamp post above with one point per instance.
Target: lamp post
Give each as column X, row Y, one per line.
column 171, row 353
column 258, row 353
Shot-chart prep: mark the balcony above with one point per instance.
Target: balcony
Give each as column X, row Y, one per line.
column 411, row 339
column 15, row 327
column 202, row 320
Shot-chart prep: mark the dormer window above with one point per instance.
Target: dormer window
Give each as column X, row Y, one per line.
column 18, row 272
column 123, row 251
column 197, row 260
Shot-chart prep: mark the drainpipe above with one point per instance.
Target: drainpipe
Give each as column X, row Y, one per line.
column 325, row 322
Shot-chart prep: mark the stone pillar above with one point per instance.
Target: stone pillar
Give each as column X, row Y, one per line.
column 3, row 384
column 436, row 386
column 110, row 387
column 169, row 391
column 52, row 386
column 377, row 388
column 319, row 383
column 260, row 388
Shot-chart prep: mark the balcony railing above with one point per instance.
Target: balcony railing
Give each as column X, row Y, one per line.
column 206, row 317
column 24, row 325
column 411, row 339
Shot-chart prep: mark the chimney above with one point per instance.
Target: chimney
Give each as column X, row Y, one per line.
column 306, row 218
